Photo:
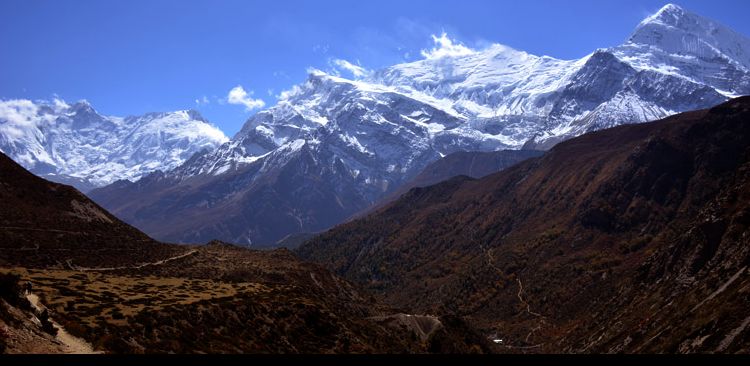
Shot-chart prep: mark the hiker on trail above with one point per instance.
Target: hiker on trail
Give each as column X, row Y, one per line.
column 28, row 287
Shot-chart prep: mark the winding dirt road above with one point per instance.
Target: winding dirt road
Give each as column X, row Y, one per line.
column 76, row 268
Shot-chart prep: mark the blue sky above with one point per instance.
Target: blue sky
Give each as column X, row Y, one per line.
column 133, row 56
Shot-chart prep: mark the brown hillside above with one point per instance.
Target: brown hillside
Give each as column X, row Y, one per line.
column 631, row 239
column 49, row 224
column 109, row 288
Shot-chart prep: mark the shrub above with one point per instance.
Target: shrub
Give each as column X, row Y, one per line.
column 117, row 315
column 4, row 335
column 10, row 290
column 47, row 325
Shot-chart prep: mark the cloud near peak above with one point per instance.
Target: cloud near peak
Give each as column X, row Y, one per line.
column 444, row 46
column 238, row 95
column 356, row 70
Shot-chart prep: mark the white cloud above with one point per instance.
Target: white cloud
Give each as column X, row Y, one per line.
column 445, row 46
column 18, row 116
column 18, row 111
column 286, row 94
column 202, row 101
column 238, row 95
column 59, row 104
column 315, row 71
column 356, row 70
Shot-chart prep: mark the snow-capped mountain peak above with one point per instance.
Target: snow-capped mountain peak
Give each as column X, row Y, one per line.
column 499, row 97
column 677, row 31
column 332, row 146
column 669, row 14
column 74, row 144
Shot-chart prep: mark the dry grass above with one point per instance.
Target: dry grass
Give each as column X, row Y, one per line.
column 92, row 297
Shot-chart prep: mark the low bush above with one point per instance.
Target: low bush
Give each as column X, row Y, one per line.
column 10, row 289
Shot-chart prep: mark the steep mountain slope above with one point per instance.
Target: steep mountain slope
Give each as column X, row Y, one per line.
column 73, row 144
column 49, row 224
column 332, row 147
column 630, row 239
column 472, row 164
column 680, row 43
column 110, row 285
column 258, row 204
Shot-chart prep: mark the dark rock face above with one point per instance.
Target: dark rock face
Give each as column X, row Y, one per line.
column 301, row 194
column 630, row 239
column 473, row 164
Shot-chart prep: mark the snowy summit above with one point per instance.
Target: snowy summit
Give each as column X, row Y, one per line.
column 74, row 144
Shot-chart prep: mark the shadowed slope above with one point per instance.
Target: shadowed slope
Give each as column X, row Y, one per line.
column 49, row 224
column 109, row 285
column 619, row 240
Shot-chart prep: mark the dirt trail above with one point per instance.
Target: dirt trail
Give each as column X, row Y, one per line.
column 76, row 268
column 527, row 307
column 520, row 298
column 40, row 230
column 72, row 344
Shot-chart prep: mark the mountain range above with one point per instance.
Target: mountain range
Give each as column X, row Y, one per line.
column 74, row 144
column 627, row 240
column 332, row 147
column 474, row 201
